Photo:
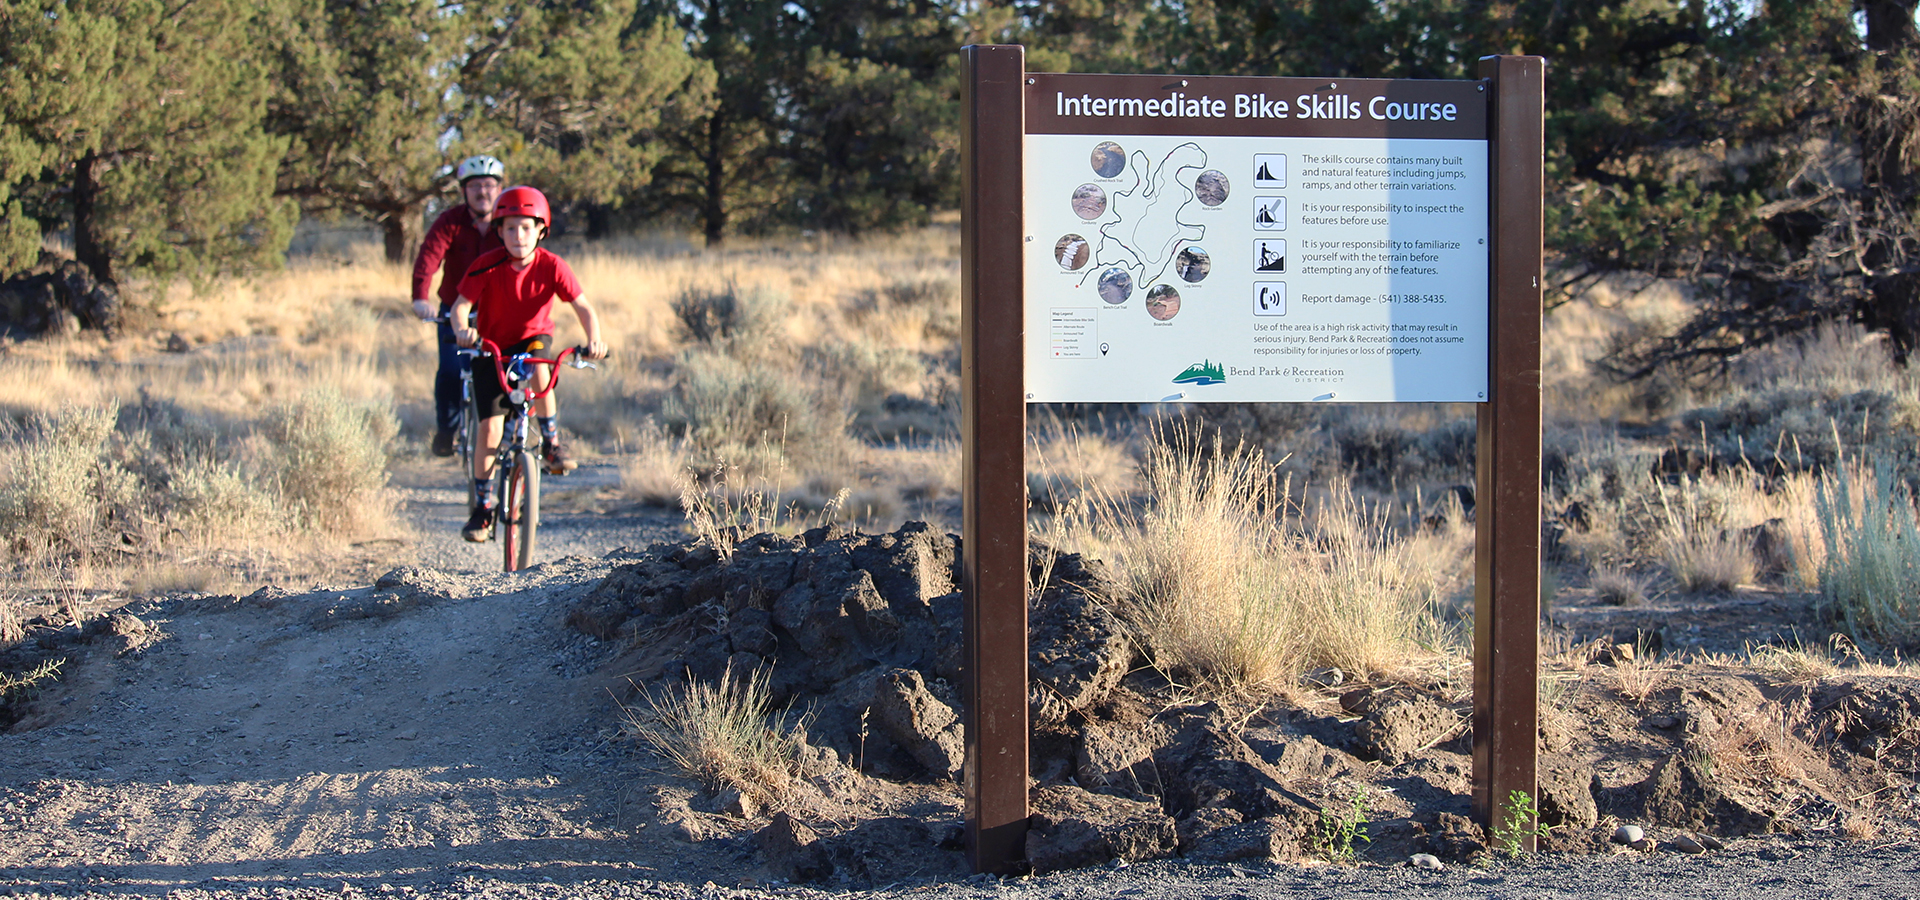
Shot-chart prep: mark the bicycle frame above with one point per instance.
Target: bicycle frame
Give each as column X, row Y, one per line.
column 516, row 471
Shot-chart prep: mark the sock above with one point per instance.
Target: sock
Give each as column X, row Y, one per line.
column 549, row 429
column 483, row 492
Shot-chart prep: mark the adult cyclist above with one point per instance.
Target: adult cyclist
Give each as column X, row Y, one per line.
column 458, row 237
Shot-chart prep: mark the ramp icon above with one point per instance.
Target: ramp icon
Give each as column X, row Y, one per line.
column 1269, row 170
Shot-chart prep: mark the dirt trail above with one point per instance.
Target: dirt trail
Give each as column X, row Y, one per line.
column 440, row 722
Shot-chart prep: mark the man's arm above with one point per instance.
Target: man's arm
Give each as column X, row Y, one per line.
column 590, row 323
column 433, row 250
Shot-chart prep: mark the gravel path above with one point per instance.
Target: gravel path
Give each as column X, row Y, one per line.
column 574, row 521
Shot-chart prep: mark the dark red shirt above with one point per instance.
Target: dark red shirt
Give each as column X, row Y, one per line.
column 452, row 243
column 516, row 304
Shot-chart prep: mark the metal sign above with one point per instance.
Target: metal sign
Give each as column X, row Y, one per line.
column 1136, row 238
column 1209, row 239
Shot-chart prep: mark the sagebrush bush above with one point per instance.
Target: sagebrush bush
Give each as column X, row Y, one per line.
column 209, row 499
column 330, row 458
column 730, row 315
column 1870, row 578
column 63, row 490
column 751, row 413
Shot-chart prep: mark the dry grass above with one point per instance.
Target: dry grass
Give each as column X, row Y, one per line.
column 1696, row 545
column 724, row 735
column 1616, row 586
column 1234, row 590
column 1638, row 675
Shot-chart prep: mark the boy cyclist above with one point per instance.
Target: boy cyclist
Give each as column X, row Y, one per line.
column 514, row 289
column 458, row 236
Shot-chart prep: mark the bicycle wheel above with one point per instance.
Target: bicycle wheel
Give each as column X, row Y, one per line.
column 527, row 520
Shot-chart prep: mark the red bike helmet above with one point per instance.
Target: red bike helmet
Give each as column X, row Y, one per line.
column 523, row 201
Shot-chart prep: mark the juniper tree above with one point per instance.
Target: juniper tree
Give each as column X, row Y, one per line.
column 381, row 97
column 138, row 125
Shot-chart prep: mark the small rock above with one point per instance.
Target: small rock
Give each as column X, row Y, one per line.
column 1663, row 723
column 1686, row 844
column 1425, row 861
column 1326, row 678
column 738, row 805
column 1629, row 834
column 1642, row 845
column 411, row 734
column 1117, row 863
column 1711, row 843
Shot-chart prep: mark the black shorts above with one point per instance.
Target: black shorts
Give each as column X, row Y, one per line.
column 487, row 395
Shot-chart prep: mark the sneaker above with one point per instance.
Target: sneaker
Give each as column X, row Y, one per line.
column 479, row 525
column 443, row 442
column 558, row 462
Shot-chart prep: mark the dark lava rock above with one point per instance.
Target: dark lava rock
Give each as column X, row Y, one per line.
column 792, row 850
column 1071, row 828
column 1119, row 759
column 1078, row 652
column 1206, row 764
column 919, row 722
column 1261, row 839
column 1392, row 732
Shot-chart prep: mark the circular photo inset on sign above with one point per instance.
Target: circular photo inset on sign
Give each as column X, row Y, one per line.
column 1193, row 264
column 1070, row 251
column 1163, row 302
column 1116, row 285
column 1089, row 201
column 1108, row 159
column 1211, row 187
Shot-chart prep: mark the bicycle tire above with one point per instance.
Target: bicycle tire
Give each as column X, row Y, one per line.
column 527, row 464
column 504, row 524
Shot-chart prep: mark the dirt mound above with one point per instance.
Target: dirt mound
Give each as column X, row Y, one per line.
column 864, row 630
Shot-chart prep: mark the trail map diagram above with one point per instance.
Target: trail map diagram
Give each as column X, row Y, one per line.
column 1146, row 224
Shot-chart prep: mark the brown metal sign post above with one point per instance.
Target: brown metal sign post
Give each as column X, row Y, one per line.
column 993, row 491
column 1506, row 583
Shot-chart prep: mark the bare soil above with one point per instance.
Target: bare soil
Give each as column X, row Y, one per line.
column 445, row 730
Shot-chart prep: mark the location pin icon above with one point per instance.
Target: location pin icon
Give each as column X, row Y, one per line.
column 1103, row 349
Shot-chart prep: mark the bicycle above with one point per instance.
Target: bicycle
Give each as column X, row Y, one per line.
column 463, row 437
column 516, row 469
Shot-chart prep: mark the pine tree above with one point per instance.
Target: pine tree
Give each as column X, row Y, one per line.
column 137, row 124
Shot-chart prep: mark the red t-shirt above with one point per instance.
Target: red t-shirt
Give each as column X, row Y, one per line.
column 516, row 304
column 451, row 244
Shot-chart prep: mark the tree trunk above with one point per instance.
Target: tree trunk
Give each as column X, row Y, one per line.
column 88, row 246
column 1889, row 24
column 405, row 229
column 715, row 213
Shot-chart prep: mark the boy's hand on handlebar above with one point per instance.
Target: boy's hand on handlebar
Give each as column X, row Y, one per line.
column 424, row 310
column 465, row 336
column 596, row 350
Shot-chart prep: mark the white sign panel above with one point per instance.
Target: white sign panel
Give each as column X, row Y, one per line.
column 1269, row 267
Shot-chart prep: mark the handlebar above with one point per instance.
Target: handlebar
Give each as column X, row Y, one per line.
column 490, row 349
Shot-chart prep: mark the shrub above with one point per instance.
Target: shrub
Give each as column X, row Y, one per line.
column 729, row 316
column 330, row 458
column 209, row 499
column 64, row 489
column 1870, row 579
column 750, row 413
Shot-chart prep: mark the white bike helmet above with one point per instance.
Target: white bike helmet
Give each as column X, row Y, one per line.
column 479, row 167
